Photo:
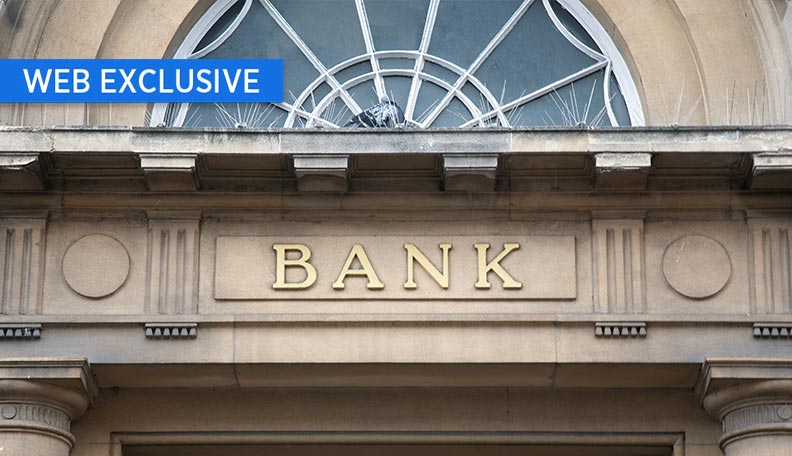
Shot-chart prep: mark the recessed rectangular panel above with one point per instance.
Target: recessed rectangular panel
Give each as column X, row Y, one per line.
column 516, row 268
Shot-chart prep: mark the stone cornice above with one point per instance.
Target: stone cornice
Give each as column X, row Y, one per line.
column 270, row 161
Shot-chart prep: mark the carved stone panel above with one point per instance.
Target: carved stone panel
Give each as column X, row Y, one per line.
column 696, row 267
column 14, row 414
column 172, row 266
column 757, row 415
column 22, row 248
column 687, row 257
column 619, row 266
column 95, row 266
column 770, row 244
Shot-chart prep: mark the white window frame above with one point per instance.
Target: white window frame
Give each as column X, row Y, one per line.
column 609, row 59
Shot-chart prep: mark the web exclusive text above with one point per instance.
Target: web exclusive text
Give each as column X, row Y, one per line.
column 141, row 81
column 119, row 80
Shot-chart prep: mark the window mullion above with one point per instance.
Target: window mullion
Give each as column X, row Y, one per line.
column 569, row 36
column 494, row 42
column 540, row 92
column 426, row 38
column 368, row 39
column 295, row 38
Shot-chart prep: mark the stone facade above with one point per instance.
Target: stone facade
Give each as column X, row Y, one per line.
column 554, row 292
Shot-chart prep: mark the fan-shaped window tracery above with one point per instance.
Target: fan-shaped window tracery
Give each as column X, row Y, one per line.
column 445, row 63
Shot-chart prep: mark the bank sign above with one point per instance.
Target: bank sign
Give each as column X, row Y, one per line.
column 393, row 268
column 141, row 81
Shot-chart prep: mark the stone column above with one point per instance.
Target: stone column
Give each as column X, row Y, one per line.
column 39, row 398
column 753, row 400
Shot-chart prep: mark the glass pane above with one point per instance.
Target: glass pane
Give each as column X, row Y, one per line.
column 300, row 121
column 331, row 28
column 397, row 24
column 537, row 41
column 171, row 112
column 428, row 97
column 220, row 26
column 618, row 104
column 232, row 115
column 337, row 112
column 453, row 115
column 440, row 72
column 581, row 101
column 476, row 97
column 464, row 27
column 201, row 114
column 398, row 89
column 365, row 94
column 353, row 71
column 400, row 64
column 316, row 97
column 573, row 25
column 258, row 36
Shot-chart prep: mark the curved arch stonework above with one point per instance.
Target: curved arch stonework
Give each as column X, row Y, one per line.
column 690, row 68
column 562, row 291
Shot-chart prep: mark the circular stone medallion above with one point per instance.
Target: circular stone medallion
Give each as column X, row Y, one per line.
column 96, row 265
column 696, row 266
column 784, row 412
column 8, row 412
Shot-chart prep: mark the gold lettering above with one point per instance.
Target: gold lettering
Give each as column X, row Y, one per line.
column 281, row 263
column 367, row 270
column 485, row 268
column 414, row 254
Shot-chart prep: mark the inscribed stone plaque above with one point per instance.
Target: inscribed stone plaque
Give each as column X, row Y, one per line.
column 543, row 266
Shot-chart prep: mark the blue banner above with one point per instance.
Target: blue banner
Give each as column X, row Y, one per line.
column 140, row 81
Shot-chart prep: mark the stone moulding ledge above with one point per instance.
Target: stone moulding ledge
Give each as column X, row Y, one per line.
column 673, row 440
column 54, row 321
column 518, row 174
column 539, row 140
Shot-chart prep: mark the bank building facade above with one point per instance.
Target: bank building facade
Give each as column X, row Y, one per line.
column 472, row 227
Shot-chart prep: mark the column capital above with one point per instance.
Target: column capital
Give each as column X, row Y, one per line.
column 752, row 397
column 43, row 395
column 70, row 373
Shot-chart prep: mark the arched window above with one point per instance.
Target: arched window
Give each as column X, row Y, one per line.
column 445, row 63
